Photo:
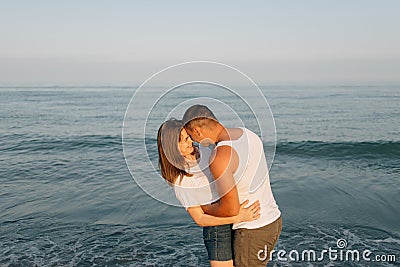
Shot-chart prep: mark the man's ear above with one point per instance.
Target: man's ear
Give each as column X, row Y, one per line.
column 197, row 131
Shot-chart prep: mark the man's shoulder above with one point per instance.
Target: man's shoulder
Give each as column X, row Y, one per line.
column 252, row 136
column 221, row 153
column 223, row 157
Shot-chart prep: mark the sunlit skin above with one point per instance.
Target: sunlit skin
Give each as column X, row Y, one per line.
column 207, row 136
column 199, row 134
column 186, row 147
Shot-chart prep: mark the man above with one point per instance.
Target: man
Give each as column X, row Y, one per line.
column 240, row 171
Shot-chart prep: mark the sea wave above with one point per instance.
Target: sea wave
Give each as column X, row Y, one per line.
column 36, row 143
column 307, row 148
column 341, row 150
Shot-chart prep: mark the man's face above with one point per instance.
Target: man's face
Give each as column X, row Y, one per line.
column 194, row 134
column 200, row 135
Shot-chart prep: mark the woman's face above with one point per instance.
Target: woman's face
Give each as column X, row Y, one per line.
column 185, row 144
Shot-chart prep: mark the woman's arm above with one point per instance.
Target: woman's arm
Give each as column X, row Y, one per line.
column 245, row 214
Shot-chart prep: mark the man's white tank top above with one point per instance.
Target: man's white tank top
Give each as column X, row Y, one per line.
column 252, row 178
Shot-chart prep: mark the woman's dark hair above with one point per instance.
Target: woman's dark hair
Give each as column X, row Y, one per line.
column 170, row 161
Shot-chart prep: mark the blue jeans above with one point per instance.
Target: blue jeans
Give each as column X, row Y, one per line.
column 218, row 241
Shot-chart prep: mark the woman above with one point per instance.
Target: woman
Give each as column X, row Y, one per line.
column 185, row 168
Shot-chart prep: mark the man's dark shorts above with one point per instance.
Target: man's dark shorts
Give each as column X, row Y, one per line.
column 250, row 244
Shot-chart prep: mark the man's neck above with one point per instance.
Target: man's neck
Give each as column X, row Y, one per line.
column 223, row 135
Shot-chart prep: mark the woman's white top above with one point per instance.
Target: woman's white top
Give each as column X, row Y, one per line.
column 200, row 188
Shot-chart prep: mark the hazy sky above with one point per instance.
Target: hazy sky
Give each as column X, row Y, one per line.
column 124, row 42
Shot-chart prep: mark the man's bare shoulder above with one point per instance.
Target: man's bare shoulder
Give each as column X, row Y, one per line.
column 223, row 160
column 221, row 154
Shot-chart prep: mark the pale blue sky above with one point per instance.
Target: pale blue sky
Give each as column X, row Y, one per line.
column 124, row 42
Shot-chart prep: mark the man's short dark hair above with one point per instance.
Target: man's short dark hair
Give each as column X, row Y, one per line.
column 198, row 115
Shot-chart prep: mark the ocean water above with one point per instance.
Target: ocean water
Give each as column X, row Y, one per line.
column 67, row 197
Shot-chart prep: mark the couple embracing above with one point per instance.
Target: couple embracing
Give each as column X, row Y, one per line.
column 223, row 184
